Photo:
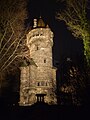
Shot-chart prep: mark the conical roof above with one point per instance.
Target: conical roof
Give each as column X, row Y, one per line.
column 41, row 23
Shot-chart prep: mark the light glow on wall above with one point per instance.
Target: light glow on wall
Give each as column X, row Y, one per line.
column 39, row 78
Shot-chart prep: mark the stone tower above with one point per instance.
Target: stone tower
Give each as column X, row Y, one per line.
column 38, row 79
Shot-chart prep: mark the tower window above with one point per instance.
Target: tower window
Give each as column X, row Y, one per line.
column 38, row 83
column 41, row 34
column 46, row 84
column 44, row 60
column 37, row 47
column 37, row 34
column 42, row 83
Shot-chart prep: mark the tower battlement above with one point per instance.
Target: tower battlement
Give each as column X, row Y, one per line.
column 41, row 34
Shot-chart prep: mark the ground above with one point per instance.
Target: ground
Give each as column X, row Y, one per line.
column 42, row 111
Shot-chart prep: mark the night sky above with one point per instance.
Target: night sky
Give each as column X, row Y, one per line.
column 65, row 45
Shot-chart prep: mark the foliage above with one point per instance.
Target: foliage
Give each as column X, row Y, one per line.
column 75, row 17
column 74, row 84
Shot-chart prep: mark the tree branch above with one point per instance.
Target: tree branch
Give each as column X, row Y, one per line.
column 3, row 38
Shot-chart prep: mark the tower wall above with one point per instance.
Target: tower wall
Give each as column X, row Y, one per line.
column 24, row 85
column 41, row 78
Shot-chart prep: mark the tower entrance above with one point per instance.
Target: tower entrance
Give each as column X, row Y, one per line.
column 40, row 97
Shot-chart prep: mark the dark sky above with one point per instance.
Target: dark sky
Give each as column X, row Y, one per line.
column 65, row 45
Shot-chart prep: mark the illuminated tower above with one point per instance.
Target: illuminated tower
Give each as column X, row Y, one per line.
column 38, row 79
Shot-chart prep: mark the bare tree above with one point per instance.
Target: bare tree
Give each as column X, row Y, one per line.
column 12, row 19
column 75, row 17
column 13, row 14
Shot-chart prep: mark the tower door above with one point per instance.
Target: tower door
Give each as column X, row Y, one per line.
column 40, row 97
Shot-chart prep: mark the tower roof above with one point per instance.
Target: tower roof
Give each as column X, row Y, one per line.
column 41, row 22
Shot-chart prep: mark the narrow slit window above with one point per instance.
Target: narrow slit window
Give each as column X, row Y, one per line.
column 46, row 84
column 44, row 60
column 37, row 47
column 38, row 83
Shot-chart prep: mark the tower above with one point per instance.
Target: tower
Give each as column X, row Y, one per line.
column 38, row 79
